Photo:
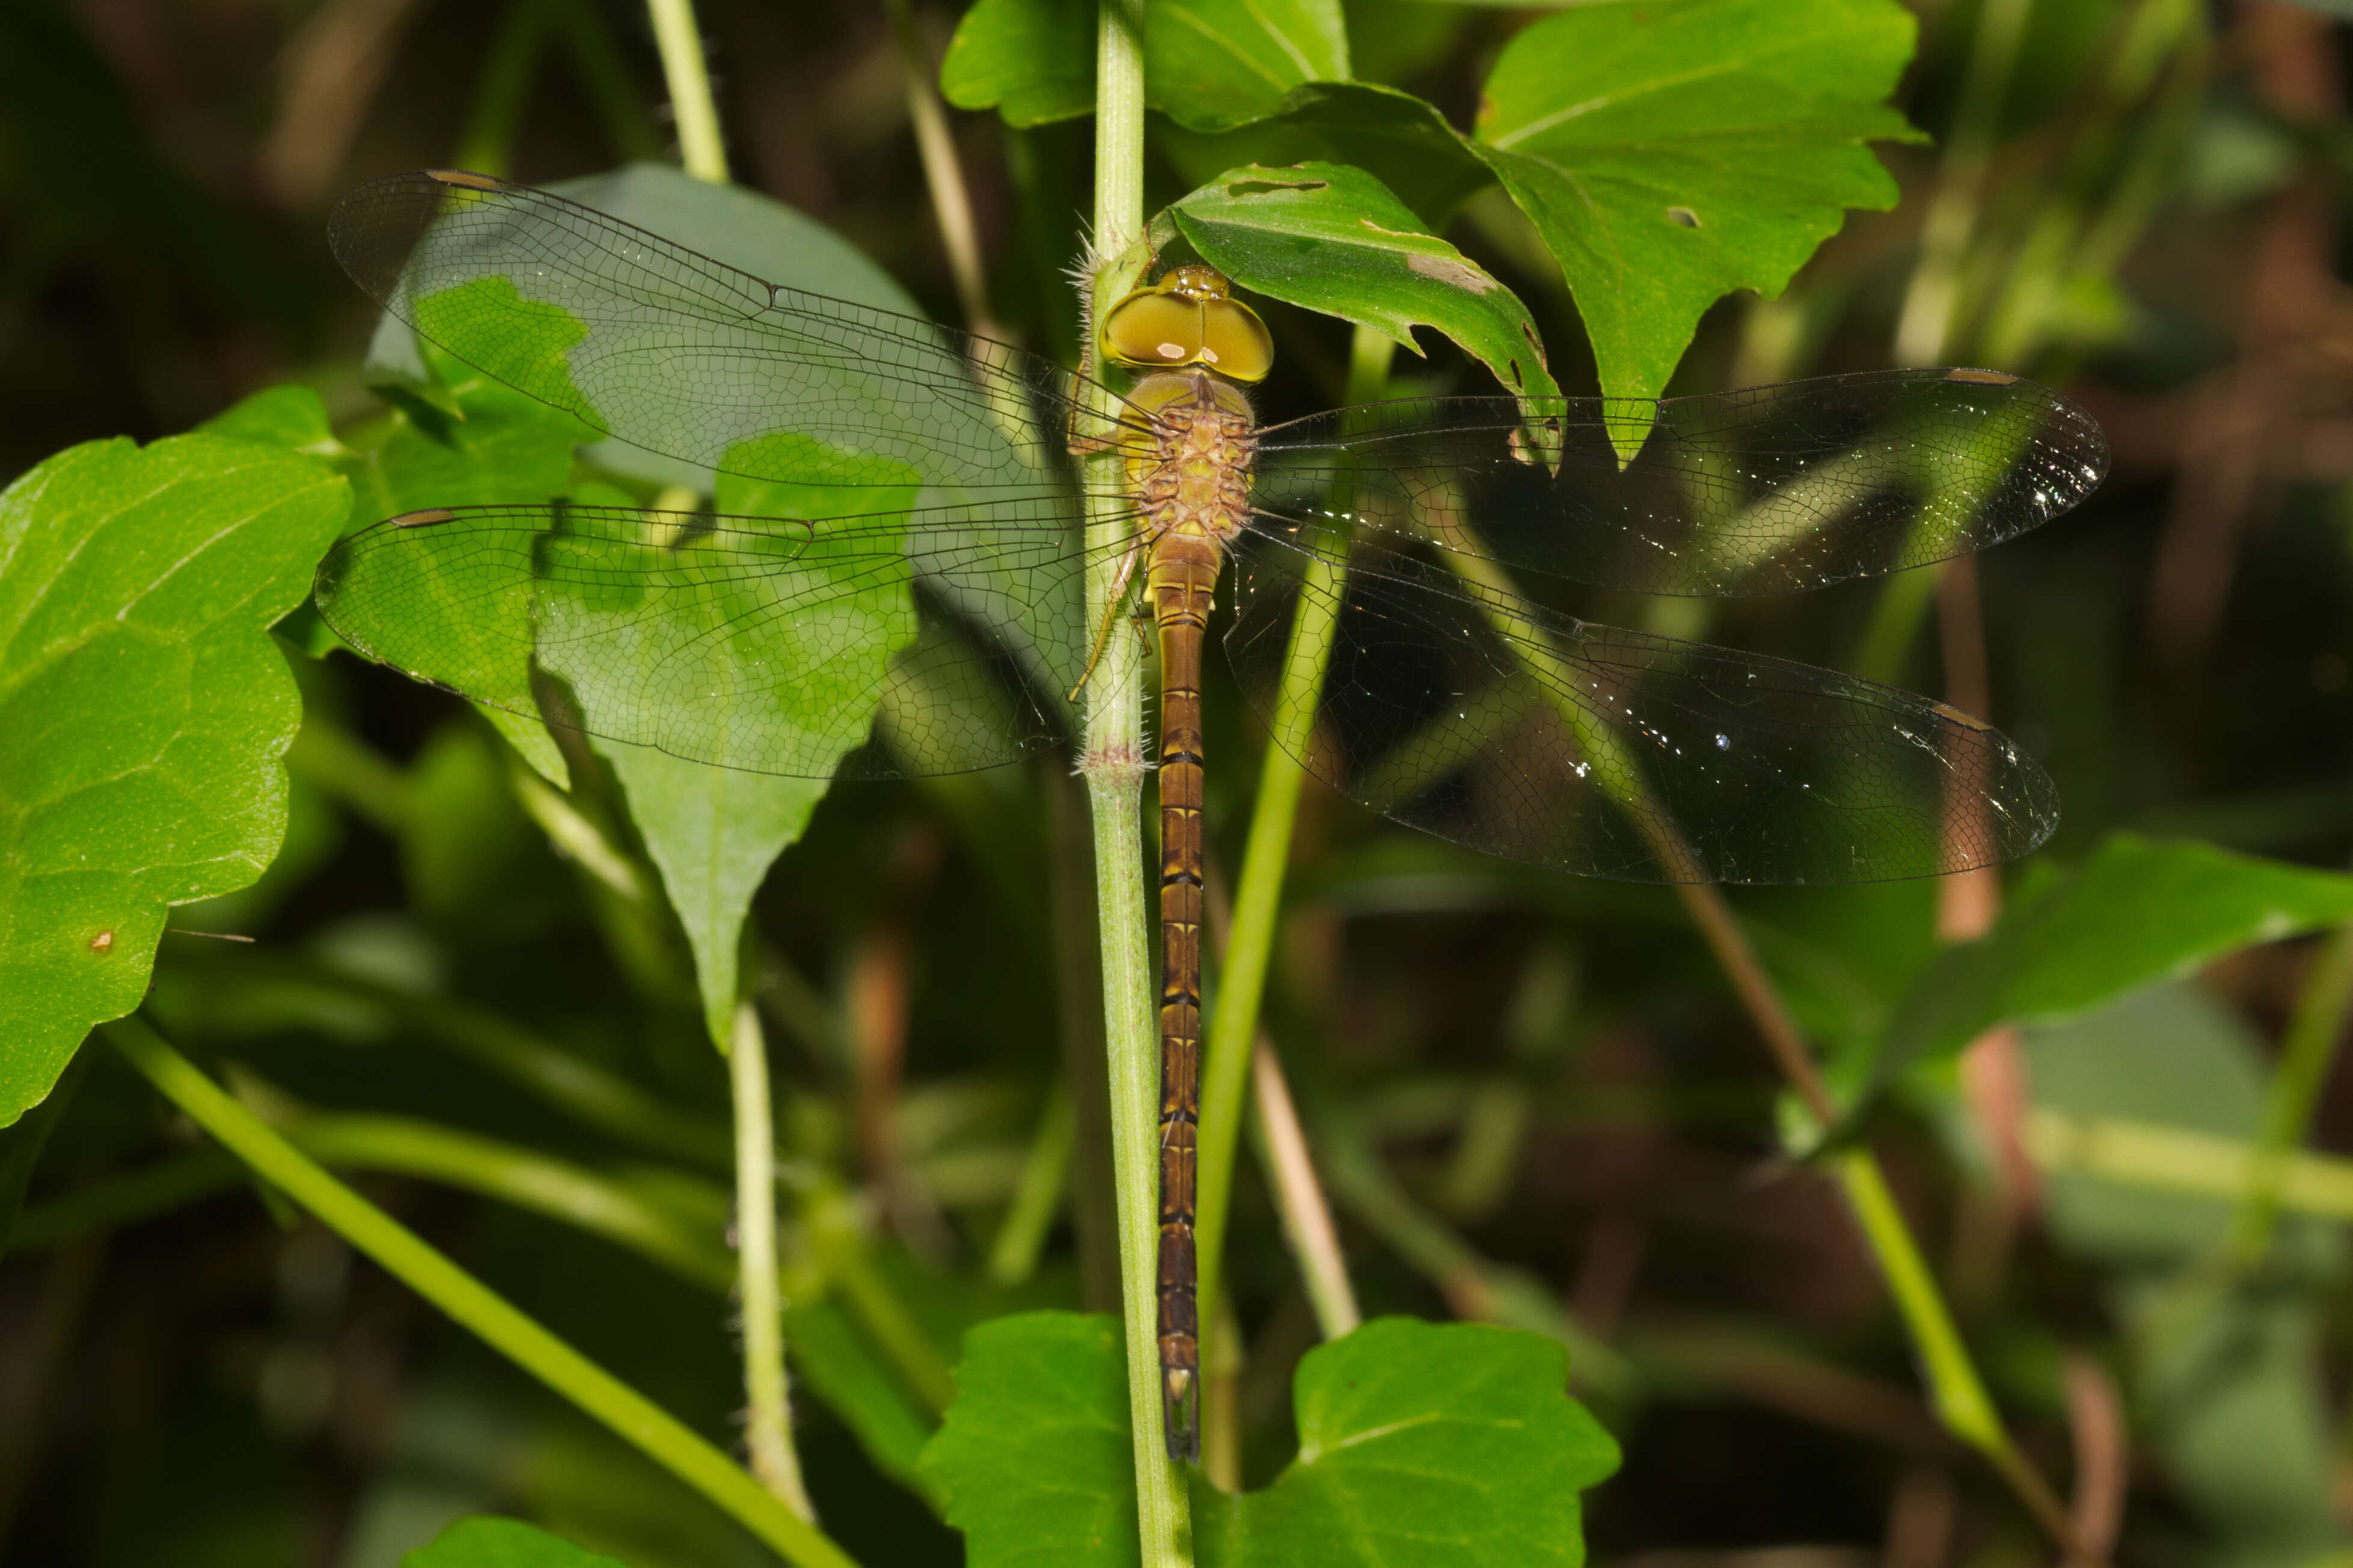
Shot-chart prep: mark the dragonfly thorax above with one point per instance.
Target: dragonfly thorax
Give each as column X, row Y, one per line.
column 1190, row 470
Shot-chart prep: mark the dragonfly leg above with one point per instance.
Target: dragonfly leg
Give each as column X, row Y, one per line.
column 1111, row 617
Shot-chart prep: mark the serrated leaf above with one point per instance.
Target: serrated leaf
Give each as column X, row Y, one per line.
column 2140, row 911
column 1429, row 1443
column 1033, row 61
column 485, row 1543
column 1332, row 238
column 145, row 709
column 1209, row 65
column 1672, row 150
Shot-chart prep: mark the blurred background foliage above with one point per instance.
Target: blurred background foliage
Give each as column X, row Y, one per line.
column 1534, row 1098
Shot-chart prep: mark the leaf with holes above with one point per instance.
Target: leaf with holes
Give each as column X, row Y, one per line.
column 1332, row 238
column 1674, row 151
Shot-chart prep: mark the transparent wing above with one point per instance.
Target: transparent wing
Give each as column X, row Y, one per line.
column 668, row 350
column 898, row 644
column 1456, row 707
column 1768, row 490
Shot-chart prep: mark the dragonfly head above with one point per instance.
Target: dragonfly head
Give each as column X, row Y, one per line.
column 1188, row 317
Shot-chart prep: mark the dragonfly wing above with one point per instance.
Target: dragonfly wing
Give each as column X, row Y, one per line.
column 1458, row 708
column 897, row 643
column 1772, row 489
column 666, row 349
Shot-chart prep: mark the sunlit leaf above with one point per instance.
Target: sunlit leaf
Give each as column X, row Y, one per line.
column 1672, row 150
column 1332, row 238
column 145, row 710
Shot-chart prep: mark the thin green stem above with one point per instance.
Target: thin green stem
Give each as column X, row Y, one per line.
column 942, row 173
column 842, row 1249
column 1307, row 1218
column 656, row 1433
column 593, row 1096
column 1956, row 1392
column 1258, row 897
column 1923, row 329
column 501, row 89
column 769, row 1428
column 399, row 1145
column 696, row 113
column 1013, row 1256
column 608, row 81
column 2310, row 1051
column 1112, row 765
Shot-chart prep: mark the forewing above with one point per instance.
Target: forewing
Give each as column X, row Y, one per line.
column 780, row 645
column 1768, row 490
column 666, row 349
column 1458, row 708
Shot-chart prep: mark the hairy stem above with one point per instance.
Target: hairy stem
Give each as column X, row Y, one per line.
column 1112, row 763
column 768, row 1430
column 656, row 1433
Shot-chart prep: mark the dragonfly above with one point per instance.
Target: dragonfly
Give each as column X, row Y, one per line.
column 889, row 579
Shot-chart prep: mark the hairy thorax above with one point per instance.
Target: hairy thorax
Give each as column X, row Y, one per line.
column 1191, row 475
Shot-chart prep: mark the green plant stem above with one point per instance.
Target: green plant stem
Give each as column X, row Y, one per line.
column 589, row 1094
column 501, row 89
column 660, row 1435
column 399, row 1145
column 1112, row 765
column 2175, row 1160
column 607, row 77
column 679, row 41
column 1307, row 1218
column 1925, row 328
column 943, row 174
column 842, row 1248
column 1013, row 1256
column 769, row 1428
column 2305, row 1062
column 1956, row 1392
column 1227, row 1046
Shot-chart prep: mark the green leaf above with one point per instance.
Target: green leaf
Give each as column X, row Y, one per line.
column 1427, row 1443
column 712, row 831
column 1033, row 61
column 145, row 709
column 1210, row 64
column 1672, row 150
column 289, row 416
column 503, row 1543
column 1034, row 1457
column 1332, row 238
column 1402, row 140
column 2140, row 911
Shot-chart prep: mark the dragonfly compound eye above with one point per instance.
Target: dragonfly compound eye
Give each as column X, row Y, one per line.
column 1188, row 317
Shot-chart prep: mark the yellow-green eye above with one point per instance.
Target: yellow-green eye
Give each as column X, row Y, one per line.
column 1188, row 317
